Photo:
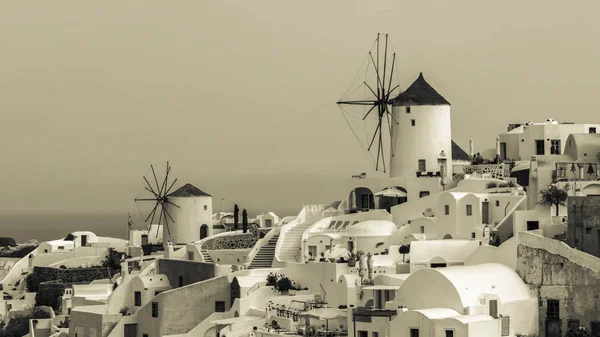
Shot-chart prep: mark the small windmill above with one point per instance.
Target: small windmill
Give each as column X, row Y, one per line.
column 158, row 194
column 379, row 88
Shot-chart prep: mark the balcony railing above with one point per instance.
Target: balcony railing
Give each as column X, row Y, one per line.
column 570, row 171
column 428, row 174
column 363, row 312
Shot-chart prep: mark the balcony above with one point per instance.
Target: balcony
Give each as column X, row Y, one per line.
column 364, row 314
column 571, row 171
column 428, row 174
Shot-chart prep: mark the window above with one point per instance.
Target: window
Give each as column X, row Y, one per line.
column 422, row 229
column 181, row 281
column 61, row 247
column 573, row 324
column 362, row 333
column 449, row 333
column 408, row 110
column 423, row 194
column 539, row 146
column 553, row 309
column 469, row 210
column 219, row 306
column 447, row 209
column 144, row 335
column 374, row 334
column 472, row 235
column 422, row 165
column 497, row 203
column 533, row 225
column 137, row 299
column 505, row 325
column 154, row 309
column 205, row 208
column 191, row 256
column 588, row 230
column 555, row 146
column 595, row 328
column 414, row 332
column 412, row 122
column 592, row 130
column 438, row 265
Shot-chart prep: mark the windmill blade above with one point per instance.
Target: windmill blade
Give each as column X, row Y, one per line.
column 167, row 213
column 164, row 183
column 152, row 213
column 169, row 201
column 367, row 114
column 374, row 135
column 149, row 187
column 154, row 174
column 165, row 223
column 170, row 187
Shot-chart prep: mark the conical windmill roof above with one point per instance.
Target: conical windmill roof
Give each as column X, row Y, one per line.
column 188, row 191
column 420, row 93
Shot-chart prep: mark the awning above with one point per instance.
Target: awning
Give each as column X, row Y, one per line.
column 325, row 313
column 233, row 320
column 391, row 192
column 381, row 287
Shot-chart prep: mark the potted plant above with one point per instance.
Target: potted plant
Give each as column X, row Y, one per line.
column 352, row 258
column 284, row 284
column 322, row 257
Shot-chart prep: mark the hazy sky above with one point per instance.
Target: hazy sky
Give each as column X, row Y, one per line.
column 232, row 92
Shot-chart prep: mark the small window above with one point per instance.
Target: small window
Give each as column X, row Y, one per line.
column 592, row 130
column 422, row 165
column 447, row 209
column 413, row 122
column 553, row 308
column 472, row 235
column 539, row 147
column 449, row 333
column 414, row 332
column 423, row 194
column 374, row 334
column 137, row 299
column 588, row 230
column 573, row 324
column 555, row 146
column 408, row 111
column 61, row 247
column 181, row 281
column 469, row 210
column 493, row 308
column 144, row 335
column 205, row 208
column 362, row 333
column 154, row 309
column 219, row 306
column 497, row 203
column 422, row 229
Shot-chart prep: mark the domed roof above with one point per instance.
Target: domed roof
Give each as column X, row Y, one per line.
column 188, row 190
column 372, row 228
column 419, row 93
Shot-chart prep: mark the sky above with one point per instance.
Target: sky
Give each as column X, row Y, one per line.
column 240, row 96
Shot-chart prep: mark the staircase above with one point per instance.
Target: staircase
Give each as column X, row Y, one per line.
column 290, row 246
column 264, row 257
column 44, row 332
column 206, row 256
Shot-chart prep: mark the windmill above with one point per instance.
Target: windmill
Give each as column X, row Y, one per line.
column 369, row 114
column 158, row 194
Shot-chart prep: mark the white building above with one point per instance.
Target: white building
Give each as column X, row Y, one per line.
column 522, row 141
column 192, row 215
column 422, row 140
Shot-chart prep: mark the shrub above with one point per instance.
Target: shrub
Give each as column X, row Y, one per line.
column 70, row 237
column 19, row 326
column 283, row 283
column 7, row 242
column 50, row 294
column 272, row 279
column 491, row 185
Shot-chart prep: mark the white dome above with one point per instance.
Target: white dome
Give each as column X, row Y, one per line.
column 372, row 228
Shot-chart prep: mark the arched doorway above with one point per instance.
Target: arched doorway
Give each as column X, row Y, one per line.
column 447, row 237
column 235, row 290
column 361, row 199
column 203, row 231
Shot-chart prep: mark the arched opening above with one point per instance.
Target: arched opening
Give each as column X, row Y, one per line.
column 63, row 267
column 203, row 231
column 591, row 189
column 361, row 199
column 447, row 237
column 236, row 314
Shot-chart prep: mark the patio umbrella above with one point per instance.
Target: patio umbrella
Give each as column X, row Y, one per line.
column 323, row 314
column 391, row 192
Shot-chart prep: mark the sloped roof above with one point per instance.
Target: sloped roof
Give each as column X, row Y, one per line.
column 420, row 93
column 458, row 153
column 188, row 190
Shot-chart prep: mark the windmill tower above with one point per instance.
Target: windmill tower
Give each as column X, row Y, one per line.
column 423, row 136
column 185, row 215
column 406, row 134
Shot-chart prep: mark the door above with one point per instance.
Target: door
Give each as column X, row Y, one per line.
column 84, row 240
column 553, row 327
column 350, row 246
column 485, row 213
column 130, row 330
column 203, row 231
column 539, row 147
column 502, row 151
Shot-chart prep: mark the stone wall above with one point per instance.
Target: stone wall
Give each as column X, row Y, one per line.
column 554, row 271
column 189, row 271
column 237, row 241
column 75, row 275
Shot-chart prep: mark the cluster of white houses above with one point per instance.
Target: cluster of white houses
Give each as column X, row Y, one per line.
column 447, row 245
